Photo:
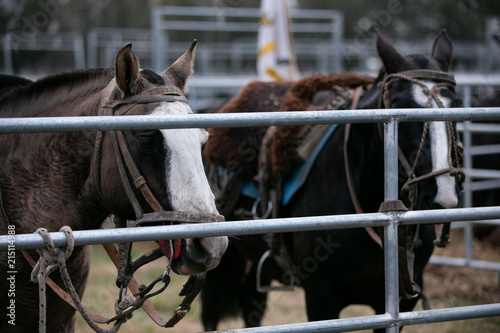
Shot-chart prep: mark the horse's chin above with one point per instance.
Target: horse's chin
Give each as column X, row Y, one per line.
column 195, row 258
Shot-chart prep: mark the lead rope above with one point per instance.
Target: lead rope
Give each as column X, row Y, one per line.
column 52, row 257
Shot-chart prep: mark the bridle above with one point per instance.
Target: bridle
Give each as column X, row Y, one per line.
column 408, row 239
column 455, row 148
column 126, row 305
column 127, row 167
column 125, row 162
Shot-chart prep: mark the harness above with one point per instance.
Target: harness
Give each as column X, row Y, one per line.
column 126, row 304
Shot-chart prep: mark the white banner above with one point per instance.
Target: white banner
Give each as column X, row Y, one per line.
column 276, row 58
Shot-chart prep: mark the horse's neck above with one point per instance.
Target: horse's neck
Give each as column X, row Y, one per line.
column 366, row 152
column 46, row 180
column 67, row 94
column 370, row 99
column 45, row 177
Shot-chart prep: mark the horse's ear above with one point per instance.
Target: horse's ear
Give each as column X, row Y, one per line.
column 180, row 70
column 392, row 60
column 127, row 71
column 442, row 50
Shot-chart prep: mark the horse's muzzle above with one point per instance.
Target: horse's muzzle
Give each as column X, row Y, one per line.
column 199, row 255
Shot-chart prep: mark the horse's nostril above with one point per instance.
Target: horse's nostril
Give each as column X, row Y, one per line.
column 196, row 251
column 198, row 245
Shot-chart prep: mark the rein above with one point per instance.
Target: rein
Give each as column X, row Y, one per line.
column 127, row 167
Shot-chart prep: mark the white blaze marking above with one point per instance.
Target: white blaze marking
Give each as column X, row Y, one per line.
column 446, row 194
column 187, row 184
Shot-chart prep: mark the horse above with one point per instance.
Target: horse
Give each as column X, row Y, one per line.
column 73, row 179
column 336, row 268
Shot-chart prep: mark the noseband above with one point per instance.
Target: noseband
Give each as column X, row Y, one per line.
column 455, row 148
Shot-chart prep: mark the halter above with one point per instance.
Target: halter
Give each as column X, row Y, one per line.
column 455, row 148
column 127, row 167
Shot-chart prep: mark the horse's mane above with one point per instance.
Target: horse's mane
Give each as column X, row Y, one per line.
column 237, row 148
column 369, row 100
column 18, row 101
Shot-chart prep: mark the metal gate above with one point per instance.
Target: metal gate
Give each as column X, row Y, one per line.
column 390, row 221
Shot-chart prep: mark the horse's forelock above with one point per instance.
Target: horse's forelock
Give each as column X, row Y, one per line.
column 418, row 61
column 152, row 77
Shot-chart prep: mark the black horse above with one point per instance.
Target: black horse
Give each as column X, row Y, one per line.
column 337, row 268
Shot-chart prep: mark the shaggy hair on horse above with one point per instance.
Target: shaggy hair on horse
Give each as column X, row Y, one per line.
column 282, row 153
column 237, row 149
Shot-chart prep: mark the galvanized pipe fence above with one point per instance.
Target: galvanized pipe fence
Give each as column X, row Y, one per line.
column 392, row 320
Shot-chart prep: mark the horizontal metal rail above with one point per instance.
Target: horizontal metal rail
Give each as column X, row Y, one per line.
column 381, row 321
column 234, row 228
column 463, row 262
column 109, row 123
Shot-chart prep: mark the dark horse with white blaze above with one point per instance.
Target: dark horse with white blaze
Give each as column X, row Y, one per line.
column 71, row 179
column 340, row 267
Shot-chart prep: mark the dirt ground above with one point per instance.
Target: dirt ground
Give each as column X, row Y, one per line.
column 446, row 286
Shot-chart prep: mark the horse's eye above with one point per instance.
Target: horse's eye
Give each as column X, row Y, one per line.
column 148, row 139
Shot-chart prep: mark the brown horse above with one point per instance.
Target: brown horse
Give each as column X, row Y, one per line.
column 53, row 180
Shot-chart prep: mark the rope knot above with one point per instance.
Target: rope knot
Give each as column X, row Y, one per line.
column 51, row 256
column 125, row 308
column 459, row 175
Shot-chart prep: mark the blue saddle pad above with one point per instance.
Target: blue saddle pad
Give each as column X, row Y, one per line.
column 297, row 176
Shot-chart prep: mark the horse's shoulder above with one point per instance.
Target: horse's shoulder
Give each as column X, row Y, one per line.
column 237, row 148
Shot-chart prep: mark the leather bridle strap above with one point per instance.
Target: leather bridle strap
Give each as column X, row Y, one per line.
column 122, row 152
column 138, row 180
column 108, row 106
column 127, row 167
column 124, row 178
column 350, row 182
column 155, row 95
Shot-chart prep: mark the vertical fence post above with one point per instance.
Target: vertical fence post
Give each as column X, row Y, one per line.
column 391, row 230
column 7, row 55
column 468, row 195
column 158, row 41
